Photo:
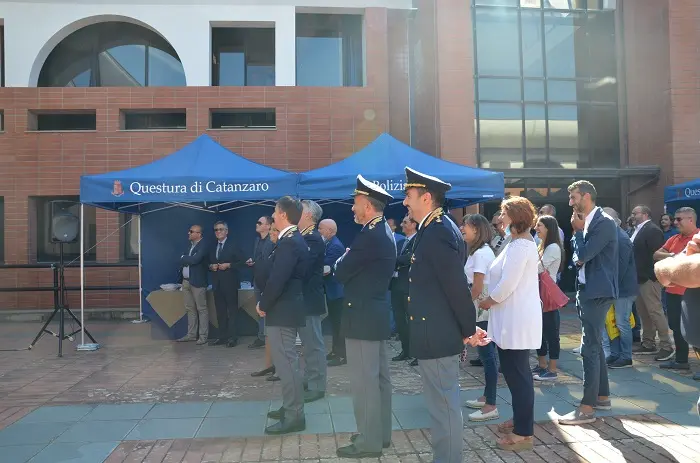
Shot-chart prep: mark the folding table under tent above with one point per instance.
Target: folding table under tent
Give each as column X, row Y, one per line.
column 383, row 162
column 202, row 176
column 683, row 194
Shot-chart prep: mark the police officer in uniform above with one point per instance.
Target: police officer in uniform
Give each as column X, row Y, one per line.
column 366, row 270
column 282, row 305
column 440, row 312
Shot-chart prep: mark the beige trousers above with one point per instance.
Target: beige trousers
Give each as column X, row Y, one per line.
column 652, row 314
column 197, row 313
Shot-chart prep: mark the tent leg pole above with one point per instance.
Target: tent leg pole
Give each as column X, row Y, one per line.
column 138, row 225
column 82, row 275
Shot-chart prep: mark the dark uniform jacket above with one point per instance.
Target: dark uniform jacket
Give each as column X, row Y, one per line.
column 281, row 293
column 403, row 263
column 366, row 271
column 314, row 295
column 440, row 312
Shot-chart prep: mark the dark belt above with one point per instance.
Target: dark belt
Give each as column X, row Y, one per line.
column 186, row 279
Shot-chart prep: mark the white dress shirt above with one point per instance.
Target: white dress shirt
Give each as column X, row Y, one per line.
column 637, row 228
column 284, row 230
column 587, row 222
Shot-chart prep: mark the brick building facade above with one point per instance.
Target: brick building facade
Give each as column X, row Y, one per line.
column 420, row 84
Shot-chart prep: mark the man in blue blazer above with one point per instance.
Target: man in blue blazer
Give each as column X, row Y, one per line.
column 596, row 255
column 194, row 270
column 334, row 289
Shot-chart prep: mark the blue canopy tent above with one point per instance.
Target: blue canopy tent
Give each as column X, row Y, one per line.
column 383, row 162
column 203, row 180
column 683, row 194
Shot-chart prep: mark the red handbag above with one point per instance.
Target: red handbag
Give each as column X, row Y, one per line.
column 551, row 296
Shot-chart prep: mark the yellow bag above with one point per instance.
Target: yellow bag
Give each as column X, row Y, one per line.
column 611, row 323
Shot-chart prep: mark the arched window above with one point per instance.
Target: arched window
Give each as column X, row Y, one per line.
column 112, row 54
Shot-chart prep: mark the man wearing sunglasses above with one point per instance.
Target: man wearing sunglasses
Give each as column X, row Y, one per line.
column 261, row 251
column 685, row 220
column 225, row 261
column 194, row 287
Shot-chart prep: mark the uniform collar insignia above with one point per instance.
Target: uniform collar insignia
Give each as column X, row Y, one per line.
column 435, row 216
column 308, row 230
column 289, row 232
column 373, row 223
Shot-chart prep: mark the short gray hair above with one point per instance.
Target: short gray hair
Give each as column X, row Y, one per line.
column 646, row 210
column 687, row 210
column 221, row 222
column 314, row 209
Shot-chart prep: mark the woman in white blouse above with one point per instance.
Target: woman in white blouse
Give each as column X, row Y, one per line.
column 476, row 231
column 550, row 251
column 515, row 320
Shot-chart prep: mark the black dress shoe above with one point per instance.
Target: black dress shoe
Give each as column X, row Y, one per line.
column 337, row 361
column 330, row 356
column 258, row 343
column 313, row 396
column 276, row 414
column 265, row 372
column 414, row 363
column 401, row 357
column 350, row 451
column 354, row 437
column 476, row 363
column 217, row 342
column 286, row 426
column 272, row 378
column 232, row 343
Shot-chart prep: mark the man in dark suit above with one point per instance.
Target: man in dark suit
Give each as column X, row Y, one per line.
column 334, row 290
column 365, row 270
column 261, row 251
column 440, row 317
column 194, row 287
column 596, row 256
column 315, row 300
column 399, row 286
column 648, row 238
column 282, row 305
column 225, row 261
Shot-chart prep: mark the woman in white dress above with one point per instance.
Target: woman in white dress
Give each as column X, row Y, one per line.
column 515, row 318
column 551, row 252
column 477, row 232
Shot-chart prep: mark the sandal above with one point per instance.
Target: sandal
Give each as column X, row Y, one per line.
column 506, row 427
column 508, row 442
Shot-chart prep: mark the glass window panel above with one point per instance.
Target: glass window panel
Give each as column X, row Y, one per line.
column 600, row 45
column 563, row 32
column 231, row 68
column 164, row 70
column 320, row 61
column 565, row 4
column 563, row 90
column 531, row 3
column 532, row 43
column 499, row 89
column 600, row 122
column 260, row 57
column 601, row 90
column 500, row 135
column 568, row 143
column 123, row 66
column 535, row 136
column 497, row 42
column 497, row 2
column 534, row 90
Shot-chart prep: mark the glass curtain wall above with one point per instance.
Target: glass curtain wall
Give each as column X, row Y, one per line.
column 546, row 83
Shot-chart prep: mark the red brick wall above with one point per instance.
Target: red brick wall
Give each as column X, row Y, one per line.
column 315, row 127
column 399, row 54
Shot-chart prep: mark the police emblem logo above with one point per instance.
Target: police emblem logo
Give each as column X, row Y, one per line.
column 117, row 189
column 413, row 258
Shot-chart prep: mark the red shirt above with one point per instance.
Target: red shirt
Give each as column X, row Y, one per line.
column 676, row 245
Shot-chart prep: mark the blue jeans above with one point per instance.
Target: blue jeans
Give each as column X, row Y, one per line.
column 487, row 355
column 595, row 372
column 621, row 347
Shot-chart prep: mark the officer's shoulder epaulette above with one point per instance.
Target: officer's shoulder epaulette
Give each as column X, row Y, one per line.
column 307, row 230
column 435, row 216
column 373, row 223
column 289, row 232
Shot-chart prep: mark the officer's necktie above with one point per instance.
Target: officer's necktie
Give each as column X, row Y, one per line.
column 218, row 249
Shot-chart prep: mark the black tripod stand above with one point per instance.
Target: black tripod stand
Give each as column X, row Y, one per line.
column 60, row 305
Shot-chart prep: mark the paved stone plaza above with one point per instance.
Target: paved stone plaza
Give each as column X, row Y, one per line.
column 142, row 400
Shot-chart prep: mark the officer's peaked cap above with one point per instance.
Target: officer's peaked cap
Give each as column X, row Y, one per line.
column 415, row 179
column 367, row 188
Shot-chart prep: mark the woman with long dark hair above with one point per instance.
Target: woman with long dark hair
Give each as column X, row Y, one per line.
column 477, row 233
column 551, row 254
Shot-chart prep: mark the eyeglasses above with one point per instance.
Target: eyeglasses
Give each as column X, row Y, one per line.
column 219, row 229
column 193, row 231
column 258, row 223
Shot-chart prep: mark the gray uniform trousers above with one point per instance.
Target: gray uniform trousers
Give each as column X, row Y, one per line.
column 314, row 354
column 286, row 360
column 441, row 392
column 371, row 392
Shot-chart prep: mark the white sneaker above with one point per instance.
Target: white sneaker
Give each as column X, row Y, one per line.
column 481, row 416
column 474, row 404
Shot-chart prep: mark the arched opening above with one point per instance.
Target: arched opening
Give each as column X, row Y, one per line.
column 112, row 54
